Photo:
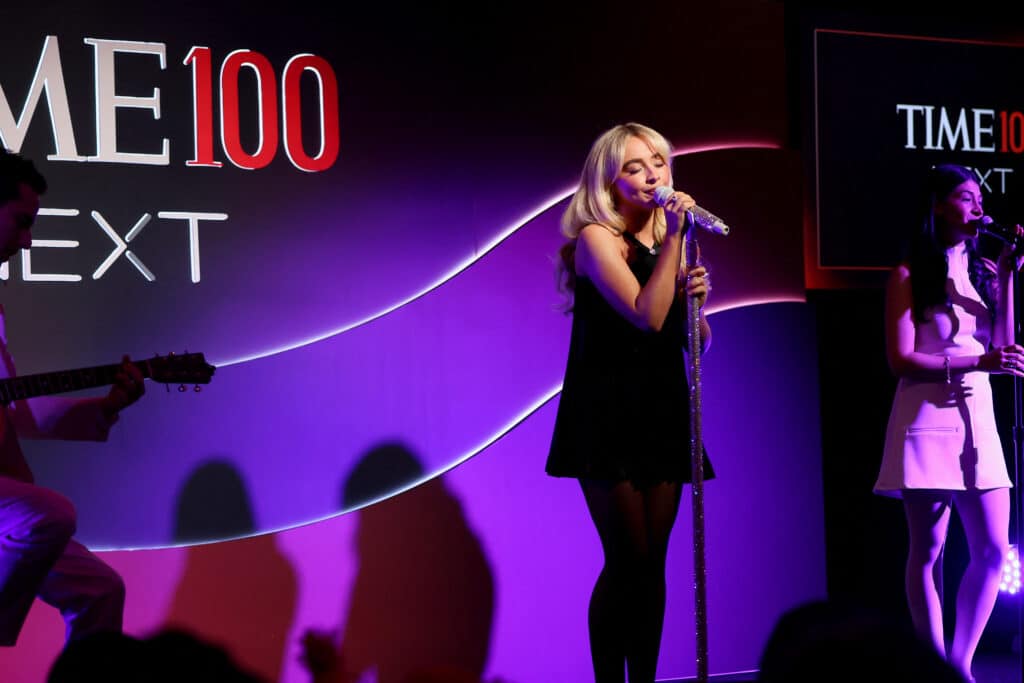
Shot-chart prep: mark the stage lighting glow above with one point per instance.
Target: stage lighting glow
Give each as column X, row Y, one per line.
column 1009, row 580
column 469, row 260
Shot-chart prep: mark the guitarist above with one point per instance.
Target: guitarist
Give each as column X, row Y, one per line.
column 38, row 557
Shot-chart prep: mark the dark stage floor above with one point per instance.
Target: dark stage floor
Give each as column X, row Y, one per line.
column 988, row 668
column 733, row 677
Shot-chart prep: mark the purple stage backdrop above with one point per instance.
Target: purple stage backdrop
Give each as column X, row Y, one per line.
column 354, row 215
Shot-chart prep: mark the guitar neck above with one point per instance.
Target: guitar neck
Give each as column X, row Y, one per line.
column 47, row 383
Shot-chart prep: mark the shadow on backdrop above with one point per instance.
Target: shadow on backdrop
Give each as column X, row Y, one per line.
column 240, row 594
column 422, row 602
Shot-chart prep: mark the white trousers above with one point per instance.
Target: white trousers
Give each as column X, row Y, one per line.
column 39, row 558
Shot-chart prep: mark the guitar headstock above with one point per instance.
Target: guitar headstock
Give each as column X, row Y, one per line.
column 187, row 368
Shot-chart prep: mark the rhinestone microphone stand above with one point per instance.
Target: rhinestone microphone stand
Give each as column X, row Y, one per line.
column 1018, row 459
column 697, row 467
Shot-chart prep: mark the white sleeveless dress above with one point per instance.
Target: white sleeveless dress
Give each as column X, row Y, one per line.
column 943, row 436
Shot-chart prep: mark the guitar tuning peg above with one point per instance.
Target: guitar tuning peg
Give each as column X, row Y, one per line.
column 197, row 388
column 181, row 387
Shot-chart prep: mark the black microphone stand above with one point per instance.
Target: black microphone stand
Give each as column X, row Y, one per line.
column 1017, row 429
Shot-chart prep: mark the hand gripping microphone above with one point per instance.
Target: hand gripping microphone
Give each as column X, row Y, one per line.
column 701, row 217
column 1006, row 233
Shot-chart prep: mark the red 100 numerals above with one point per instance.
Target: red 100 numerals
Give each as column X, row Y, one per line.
column 290, row 116
column 1011, row 128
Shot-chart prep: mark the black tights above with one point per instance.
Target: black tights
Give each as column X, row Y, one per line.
column 627, row 607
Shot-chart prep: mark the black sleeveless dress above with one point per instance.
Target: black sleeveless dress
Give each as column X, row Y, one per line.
column 624, row 410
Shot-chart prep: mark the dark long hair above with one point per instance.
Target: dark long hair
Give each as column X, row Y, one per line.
column 926, row 257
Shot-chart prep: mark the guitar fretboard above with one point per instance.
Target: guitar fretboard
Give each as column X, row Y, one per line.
column 46, row 383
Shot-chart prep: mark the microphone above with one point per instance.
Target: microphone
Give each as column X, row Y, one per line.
column 699, row 216
column 1005, row 233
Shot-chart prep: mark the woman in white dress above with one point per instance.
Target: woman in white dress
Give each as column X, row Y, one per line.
column 949, row 324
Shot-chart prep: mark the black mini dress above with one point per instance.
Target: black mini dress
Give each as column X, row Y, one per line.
column 624, row 410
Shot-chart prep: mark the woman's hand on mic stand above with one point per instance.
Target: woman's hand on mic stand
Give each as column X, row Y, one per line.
column 1004, row 360
column 696, row 283
column 1011, row 252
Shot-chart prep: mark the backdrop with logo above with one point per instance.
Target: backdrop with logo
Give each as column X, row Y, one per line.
column 886, row 107
column 353, row 213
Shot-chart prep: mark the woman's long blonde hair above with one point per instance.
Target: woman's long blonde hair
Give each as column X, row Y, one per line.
column 594, row 200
